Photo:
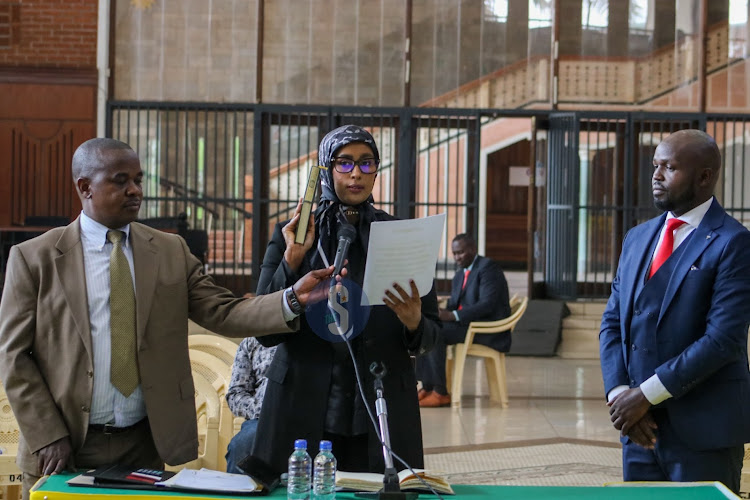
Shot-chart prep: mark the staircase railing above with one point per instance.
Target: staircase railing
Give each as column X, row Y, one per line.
column 594, row 79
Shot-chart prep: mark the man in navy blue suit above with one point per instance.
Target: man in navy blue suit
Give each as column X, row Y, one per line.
column 479, row 292
column 673, row 340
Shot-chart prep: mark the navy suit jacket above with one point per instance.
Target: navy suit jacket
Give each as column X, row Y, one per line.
column 700, row 334
column 484, row 298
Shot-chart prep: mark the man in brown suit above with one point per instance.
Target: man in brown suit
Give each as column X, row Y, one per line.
column 57, row 329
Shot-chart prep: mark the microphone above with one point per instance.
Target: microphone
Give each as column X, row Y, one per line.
column 346, row 235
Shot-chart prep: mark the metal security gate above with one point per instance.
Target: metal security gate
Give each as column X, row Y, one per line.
column 600, row 167
column 235, row 171
column 428, row 166
column 733, row 190
column 562, row 202
column 197, row 161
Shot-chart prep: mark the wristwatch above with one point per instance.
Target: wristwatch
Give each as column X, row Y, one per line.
column 291, row 299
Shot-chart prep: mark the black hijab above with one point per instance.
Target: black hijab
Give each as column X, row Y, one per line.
column 330, row 214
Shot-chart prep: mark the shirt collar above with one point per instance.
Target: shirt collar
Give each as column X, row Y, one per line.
column 694, row 217
column 471, row 266
column 96, row 233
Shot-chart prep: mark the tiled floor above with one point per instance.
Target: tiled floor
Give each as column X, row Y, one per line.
column 554, row 464
column 550, row 398
column 555, row 431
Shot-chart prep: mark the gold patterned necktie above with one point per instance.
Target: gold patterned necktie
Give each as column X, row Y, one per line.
column 123, row 370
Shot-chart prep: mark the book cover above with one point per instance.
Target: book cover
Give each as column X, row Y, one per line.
column 307, row 203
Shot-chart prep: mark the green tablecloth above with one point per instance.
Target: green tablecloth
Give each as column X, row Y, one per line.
column 56, row 489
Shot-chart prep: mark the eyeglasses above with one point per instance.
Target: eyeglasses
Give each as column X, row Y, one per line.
column 346, row 165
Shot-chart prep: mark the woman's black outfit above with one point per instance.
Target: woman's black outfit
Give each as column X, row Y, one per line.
column 312, row 391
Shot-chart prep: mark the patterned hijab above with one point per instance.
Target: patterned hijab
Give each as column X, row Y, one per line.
column 329, row 213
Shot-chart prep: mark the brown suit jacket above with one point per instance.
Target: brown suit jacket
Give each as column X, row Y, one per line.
column 46, row 357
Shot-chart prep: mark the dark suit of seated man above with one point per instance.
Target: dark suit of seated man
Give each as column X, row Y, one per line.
column 479, row 292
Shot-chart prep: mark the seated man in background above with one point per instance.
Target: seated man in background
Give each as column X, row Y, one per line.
column 245, row 396
column 479, row 292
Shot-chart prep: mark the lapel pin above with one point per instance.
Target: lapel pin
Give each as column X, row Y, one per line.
column 708, row 237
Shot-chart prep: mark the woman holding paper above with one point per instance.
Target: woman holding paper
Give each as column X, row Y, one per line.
column 312, row 391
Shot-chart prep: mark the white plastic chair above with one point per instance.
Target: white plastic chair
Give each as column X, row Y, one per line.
column 220, row 347
column 10, row 475
column 219, row 374
column 494, row 361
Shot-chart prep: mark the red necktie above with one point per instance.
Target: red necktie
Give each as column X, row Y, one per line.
column 466, row 277
column 666, row 246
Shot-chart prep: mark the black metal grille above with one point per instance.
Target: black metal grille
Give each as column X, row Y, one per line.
column 237, row 170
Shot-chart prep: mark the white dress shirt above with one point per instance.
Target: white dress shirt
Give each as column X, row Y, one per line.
column 108, row 405
column 652, row 387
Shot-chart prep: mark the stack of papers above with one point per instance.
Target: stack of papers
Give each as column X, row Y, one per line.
column 203, row 480
column 210, row 480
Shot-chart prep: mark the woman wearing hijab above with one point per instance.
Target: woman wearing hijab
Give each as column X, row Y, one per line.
column 312, row 391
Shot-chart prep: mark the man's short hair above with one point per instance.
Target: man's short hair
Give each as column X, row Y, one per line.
column 86, row 159
column 466, row 238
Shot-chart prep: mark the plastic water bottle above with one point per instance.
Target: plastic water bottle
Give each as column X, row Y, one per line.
column 324, row 473
column 299, row 473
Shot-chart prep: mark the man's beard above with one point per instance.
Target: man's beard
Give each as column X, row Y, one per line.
column 671, row 203
column 664, row 206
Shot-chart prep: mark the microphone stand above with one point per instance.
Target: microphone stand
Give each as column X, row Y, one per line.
column 391, row 489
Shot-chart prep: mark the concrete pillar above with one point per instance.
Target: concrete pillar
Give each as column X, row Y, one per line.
column 617, row 30
column 664, row 23
column 570, row 29
column 718, row 11
column 470, row 29
column 517, row 31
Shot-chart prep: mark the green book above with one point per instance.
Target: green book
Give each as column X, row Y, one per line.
column 307, row 203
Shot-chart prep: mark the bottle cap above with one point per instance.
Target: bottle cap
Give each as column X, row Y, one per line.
column 325, row 445
column 300, row 443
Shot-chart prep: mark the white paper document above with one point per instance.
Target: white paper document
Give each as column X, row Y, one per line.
column 213, row 480
column 399, row 251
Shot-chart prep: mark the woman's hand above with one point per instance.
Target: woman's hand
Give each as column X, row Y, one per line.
column 407, row 307
column 295, row 252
